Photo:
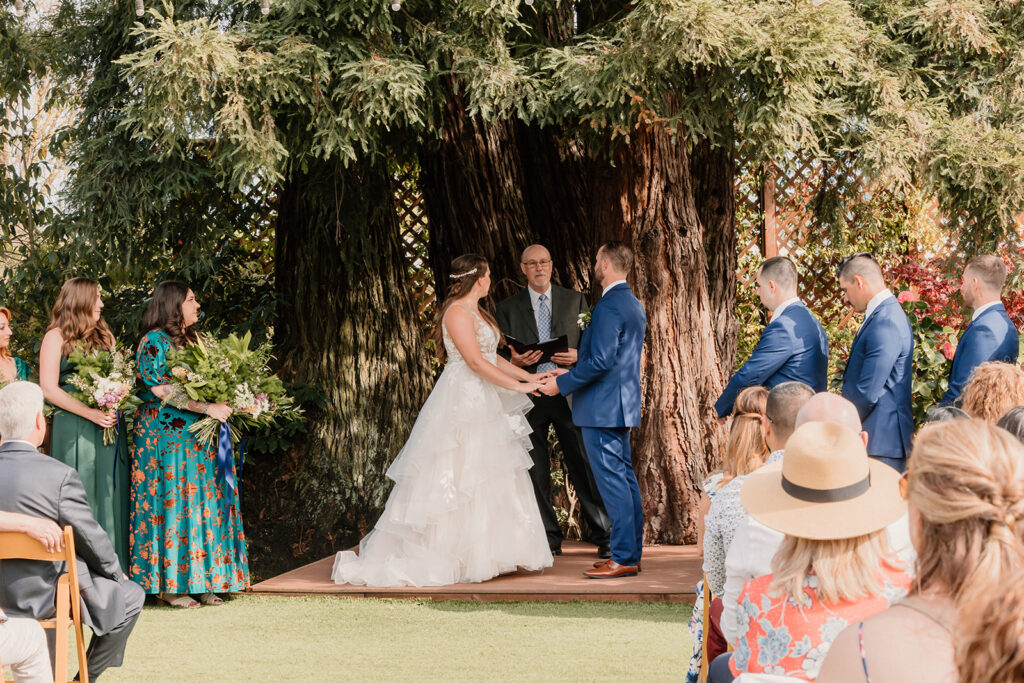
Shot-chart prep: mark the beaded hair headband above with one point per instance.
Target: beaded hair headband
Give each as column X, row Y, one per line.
column 453, row 276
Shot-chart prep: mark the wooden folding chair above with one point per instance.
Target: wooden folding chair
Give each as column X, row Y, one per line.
column 21, row 546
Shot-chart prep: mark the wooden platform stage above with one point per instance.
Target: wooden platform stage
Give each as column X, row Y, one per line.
column 669, row 575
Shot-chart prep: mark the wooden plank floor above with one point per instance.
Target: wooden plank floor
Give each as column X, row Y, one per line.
column 669, row 574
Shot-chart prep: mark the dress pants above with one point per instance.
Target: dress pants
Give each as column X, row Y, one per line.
column 23, row 648
column 554, row 410
column 608, row 451
column 108, row 650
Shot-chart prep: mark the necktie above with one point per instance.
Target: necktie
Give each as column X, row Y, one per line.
column 544, row 328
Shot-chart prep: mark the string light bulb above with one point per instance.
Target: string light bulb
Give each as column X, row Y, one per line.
column 396, row 5
column 529, row 3
column 265, row 7
column 140, row 8
column 19, row 7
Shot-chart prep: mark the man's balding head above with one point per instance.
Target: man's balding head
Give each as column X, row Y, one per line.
column 784, row 402
column 827, row 407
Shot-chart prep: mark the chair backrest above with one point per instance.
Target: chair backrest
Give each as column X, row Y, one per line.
column 19, row 545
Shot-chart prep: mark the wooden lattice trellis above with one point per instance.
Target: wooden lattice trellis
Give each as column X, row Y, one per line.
column 412, row 221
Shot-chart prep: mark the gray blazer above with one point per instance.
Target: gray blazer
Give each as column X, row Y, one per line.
column 515, row 316
column 35, row 484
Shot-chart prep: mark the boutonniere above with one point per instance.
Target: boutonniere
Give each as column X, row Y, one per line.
column 583, row 319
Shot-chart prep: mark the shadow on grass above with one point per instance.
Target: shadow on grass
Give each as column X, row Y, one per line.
column 655, row 612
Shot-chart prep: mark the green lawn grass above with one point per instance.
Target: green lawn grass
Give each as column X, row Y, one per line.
column 252, row 638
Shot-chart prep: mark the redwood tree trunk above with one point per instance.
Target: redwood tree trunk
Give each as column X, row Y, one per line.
column 648, row 202
column 346, row 324
column 714, row 174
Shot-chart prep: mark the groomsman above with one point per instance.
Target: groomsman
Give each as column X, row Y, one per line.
column 605, row 385
column 542, row 311
column 991, row 334
column 879, row 373
column 793, row 346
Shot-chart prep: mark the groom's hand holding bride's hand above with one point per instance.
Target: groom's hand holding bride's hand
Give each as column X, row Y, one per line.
column 549, row 387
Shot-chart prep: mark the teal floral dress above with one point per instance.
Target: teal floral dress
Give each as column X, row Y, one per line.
column 21, row 369
column 184, row 536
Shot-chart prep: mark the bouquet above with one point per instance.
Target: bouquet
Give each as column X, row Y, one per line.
column 104, row 379
column 229, row 371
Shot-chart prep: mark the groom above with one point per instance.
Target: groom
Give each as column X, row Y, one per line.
column 605, row 389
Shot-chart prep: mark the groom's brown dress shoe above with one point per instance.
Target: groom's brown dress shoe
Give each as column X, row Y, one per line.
column 602, row 563
column 611, row 570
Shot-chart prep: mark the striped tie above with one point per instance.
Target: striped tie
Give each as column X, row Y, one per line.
column 544, row 328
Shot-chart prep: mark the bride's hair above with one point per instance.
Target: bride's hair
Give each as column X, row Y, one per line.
column 463, row 274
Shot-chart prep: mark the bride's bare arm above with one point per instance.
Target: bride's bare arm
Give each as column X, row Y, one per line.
column 514, row 371
column 462, row 329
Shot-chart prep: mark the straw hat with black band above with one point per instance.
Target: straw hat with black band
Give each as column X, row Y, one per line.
column 825, row 487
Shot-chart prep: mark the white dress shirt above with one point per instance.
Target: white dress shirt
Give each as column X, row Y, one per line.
column 617, row 282
column 783, row 306
column 874, row 303
column 981, row 309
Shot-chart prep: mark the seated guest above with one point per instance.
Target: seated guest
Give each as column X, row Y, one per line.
column 22, row 641
column 991, row 336
column 833, row 503
column 1013, row 422
column 793, row 346
column 946, row 413
column 745, row 451
column 36, row 484
column 964, row 616
column 993, row 389
column 754, row 545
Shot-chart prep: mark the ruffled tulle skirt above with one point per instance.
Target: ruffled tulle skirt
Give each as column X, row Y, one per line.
column 463, row 508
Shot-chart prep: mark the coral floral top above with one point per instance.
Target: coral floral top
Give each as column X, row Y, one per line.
column 778, row 636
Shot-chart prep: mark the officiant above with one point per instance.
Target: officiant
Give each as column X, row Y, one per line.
column 544, row 311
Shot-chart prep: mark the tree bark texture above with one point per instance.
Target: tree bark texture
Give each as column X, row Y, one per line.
column 573, row 201
column 346, row 324
column 713, row 171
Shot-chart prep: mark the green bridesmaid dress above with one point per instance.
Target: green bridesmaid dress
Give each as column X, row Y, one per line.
column 22, row 370
column 78, row 442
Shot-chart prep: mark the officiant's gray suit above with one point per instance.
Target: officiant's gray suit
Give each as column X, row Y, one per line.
column 35, row 484
column 516, row 317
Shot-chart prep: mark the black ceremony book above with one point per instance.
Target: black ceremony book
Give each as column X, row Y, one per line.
column 558, row 345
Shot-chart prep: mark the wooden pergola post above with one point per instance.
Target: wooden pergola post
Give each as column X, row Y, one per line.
column 769, row 227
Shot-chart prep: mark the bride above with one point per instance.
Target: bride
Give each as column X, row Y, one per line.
column 463, row 508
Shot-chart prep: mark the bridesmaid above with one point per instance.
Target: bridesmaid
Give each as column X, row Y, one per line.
column 183, row 538
column 77, row 434
column 11, row 369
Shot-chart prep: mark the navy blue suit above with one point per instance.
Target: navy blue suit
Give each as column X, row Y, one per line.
column 605, row 390
column 878, row 380
column 993, row 336
column 793, row 347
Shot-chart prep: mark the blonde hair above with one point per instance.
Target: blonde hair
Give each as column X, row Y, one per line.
column 746, row 447
column 72, row 315
column 5, row 351
column 966, row 479
column 846, row 568
column 993, row 388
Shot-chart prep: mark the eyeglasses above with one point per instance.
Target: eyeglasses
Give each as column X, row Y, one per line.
column 542, row 263
column 859, row 254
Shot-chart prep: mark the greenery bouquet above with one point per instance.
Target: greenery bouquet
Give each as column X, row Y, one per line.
column 230, row 371
column 104, row 379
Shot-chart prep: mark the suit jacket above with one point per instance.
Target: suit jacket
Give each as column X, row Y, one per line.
column 605, row 384
column 38, row 485
column 992, row 336
column 515, row 317
column 793, row 347
column 878, row 379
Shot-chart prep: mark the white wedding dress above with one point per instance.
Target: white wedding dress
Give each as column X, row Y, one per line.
column 463, row 508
